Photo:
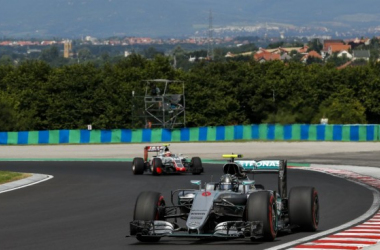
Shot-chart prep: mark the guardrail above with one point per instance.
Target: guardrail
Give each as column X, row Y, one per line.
column 266, row 132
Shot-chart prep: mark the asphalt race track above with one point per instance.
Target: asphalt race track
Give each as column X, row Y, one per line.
column 88, row 205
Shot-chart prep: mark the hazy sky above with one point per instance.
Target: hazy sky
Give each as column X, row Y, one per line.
column 175, row 16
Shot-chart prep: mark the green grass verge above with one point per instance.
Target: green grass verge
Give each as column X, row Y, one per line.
column 7, row 176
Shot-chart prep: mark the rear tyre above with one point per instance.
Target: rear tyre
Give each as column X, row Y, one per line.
column 138, row 166
column 196, row 166
column 304, row 208
column 156, row 167
column 261, row 206
column 149, row 206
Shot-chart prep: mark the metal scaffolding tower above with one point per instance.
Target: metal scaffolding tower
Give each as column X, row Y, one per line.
column 210, row 39
column 162, row 106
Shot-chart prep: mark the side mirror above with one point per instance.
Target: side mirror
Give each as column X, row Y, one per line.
column 247, row 183
column 196, row 182
column 250, row 182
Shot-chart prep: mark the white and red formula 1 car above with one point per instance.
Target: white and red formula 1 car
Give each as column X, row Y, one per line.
column 165, row 162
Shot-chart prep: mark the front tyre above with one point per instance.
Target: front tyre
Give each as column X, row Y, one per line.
column 156, row 167
column 196, row 166
column 149, row 206
column 138, row 166
column 304, row 208
column 261, row 206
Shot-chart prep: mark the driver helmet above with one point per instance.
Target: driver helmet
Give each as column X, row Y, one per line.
column 227, row 182
column 167, row 153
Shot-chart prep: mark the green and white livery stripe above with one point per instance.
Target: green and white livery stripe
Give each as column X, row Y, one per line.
column 260, row 165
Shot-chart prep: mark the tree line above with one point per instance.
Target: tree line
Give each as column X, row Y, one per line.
column 37, row 96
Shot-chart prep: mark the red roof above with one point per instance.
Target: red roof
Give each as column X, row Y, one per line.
column 267, row 56
column 315, row 54
column 338, row 47
column 312, row 53
column 328, row 43
column 304, row 49
column 345, row 65
column 5, row 43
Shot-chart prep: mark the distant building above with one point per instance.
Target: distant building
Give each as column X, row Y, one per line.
column 229, row 54
column 344, row 53
column 6, row 43
column 264, row 56
column 285, row 57
column 328, row 43
column 312, row 53
column 192, row 59
column 33, row 51
column 334, row 46
column 361, row 54
column 127, row 53
column 48, row 42
column 357, row 42
column 67, row 49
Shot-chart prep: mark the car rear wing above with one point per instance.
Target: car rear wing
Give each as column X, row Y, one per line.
column 263, row 166
column 154, row 149
column 253, row 166
column 259, row 167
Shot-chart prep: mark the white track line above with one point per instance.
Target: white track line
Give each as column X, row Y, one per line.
column 27, row 183
column 371, row 211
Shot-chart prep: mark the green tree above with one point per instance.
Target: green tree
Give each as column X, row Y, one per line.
column 337, row 61
column 374, row 55
column 6, row 60
column 315, row 45
column 70, row 92
column 36, row 95
column 24, row 85
column 312, row 59
column 84, row 54
column 296, row 57
column 276, row 45
column 212, row 97
column 50, row 54
column 342, row 108
column 8, row 114
column 151, row 52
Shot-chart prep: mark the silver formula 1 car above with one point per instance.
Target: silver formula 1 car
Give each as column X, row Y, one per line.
column 165, row 162
column 234, row 207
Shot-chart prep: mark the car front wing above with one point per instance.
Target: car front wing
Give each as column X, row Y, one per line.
column 227, row 229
